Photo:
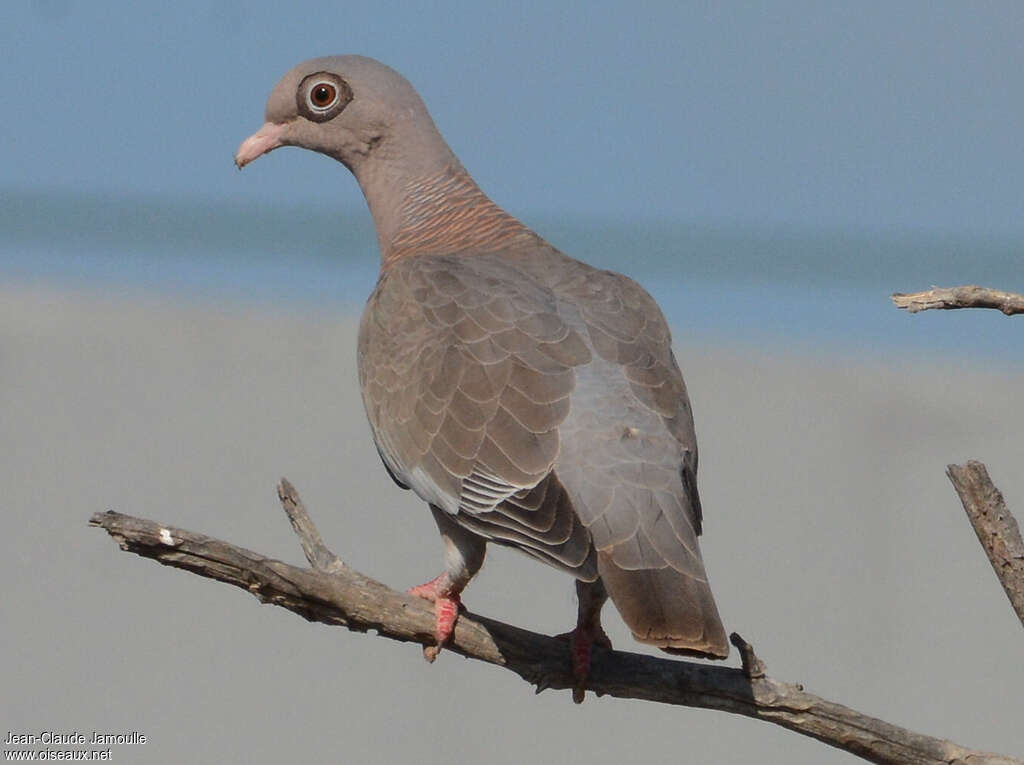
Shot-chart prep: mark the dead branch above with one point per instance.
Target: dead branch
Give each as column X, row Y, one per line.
column 332, row 593
column 969, row 296
column 995, row 526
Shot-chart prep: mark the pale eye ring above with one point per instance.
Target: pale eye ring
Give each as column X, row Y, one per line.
column 322, row 96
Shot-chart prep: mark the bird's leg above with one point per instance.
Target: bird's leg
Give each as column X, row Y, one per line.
column 588, row 632
column 463, row 556
column 446, row 600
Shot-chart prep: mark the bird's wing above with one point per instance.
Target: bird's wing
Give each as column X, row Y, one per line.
column 628, row 461
column 631, row 412
column 466, row 370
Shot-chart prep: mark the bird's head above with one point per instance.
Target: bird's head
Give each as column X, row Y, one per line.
column 350, row 108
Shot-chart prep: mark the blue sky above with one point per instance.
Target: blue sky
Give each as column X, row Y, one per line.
column 905, row 116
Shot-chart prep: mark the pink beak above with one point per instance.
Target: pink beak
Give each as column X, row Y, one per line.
column 267, row 138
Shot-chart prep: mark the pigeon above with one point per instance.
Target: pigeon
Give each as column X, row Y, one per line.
column 531, row 400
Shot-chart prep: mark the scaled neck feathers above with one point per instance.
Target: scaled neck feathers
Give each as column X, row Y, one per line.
column 445, row 212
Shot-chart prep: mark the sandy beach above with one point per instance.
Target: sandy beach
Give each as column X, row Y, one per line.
column 834, row 542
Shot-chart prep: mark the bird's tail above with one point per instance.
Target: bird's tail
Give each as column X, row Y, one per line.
column 667, row 609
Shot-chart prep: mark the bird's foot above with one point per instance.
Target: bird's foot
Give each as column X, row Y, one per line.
column 581, row 645
column 446, row 611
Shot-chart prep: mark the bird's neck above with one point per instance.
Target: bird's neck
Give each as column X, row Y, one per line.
column 441, row 211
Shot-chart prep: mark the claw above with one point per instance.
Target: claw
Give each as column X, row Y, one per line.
column 446, row 612
column 581, row 643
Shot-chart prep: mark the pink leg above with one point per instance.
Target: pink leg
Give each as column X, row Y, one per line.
column 588, row 632
column 463, row 556
column 446, row 610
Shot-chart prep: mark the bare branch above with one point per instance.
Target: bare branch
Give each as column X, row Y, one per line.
column 970, row 296
column 317, row 553
column 753, row 668
column 338, row 595
column 995, row 526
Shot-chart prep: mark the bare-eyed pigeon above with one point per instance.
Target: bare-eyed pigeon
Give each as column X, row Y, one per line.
column 531, row 400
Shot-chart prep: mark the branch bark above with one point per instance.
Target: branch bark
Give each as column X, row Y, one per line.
column 969, row 296
column 995, row 526
column 332, row 593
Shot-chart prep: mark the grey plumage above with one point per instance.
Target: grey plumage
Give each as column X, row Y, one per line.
column 528, row 398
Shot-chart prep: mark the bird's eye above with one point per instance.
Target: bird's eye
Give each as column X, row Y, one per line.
column 322, row 96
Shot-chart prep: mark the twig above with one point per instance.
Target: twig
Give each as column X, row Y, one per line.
column 753, row 668
column 345, row 597
column 317, row 553
column 970, row 296
column 995, row 526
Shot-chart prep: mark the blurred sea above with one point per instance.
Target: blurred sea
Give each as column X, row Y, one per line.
column 812, row 290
